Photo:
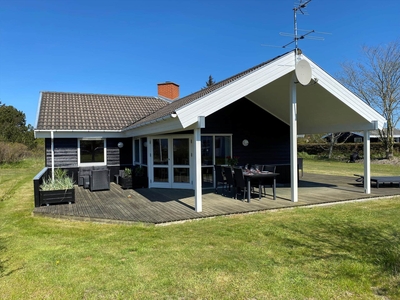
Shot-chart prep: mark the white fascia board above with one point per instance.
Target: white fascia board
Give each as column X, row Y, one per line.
column 336, row 128
column 79, row 134
column 38, row 110
column 343, row 94
column 236, row 90
column 156, row 127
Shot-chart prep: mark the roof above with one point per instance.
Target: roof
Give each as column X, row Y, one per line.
column 322, row 106
column 176, row 104
column 77, row 111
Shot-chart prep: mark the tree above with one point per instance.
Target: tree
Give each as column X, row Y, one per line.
column 209, row 82
column 13, row 127
column 376, row 80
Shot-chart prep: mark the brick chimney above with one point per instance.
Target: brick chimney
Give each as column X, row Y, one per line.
column 168, row 90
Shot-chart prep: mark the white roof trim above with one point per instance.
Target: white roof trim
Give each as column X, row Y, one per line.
column 236, row 90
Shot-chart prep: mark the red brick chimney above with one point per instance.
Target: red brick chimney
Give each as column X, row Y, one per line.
column 168, row 90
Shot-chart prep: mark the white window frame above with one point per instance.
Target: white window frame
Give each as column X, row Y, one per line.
column 90, row 164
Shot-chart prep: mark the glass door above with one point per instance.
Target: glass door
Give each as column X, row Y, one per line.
column 160, row 152
column 171, row 162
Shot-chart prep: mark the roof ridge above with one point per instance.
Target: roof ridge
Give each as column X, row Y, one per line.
column 97, row 94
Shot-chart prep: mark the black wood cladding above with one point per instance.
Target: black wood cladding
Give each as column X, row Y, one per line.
column 66, row 152
column 269, row 138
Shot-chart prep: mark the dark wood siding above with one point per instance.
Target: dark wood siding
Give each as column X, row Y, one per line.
column 119, row 156
column 65, row 153
column 269, row 138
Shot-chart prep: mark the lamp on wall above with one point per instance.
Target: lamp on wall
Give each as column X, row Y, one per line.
column 120, row 145
column 245, row 142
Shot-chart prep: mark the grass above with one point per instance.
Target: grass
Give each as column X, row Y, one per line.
column 348, row 251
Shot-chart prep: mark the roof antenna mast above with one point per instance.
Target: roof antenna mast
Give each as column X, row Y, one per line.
column 299, row 7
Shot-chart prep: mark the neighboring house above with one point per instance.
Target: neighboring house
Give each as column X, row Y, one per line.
column 358, row 137
column 179, row 140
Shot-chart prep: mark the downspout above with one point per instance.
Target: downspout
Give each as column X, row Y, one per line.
column 52, row 155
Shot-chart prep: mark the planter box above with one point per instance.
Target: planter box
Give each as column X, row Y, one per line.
column 55, row 197
column 140, row 182
column 125, row 182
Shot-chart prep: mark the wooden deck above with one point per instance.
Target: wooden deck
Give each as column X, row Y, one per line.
column 157, row 206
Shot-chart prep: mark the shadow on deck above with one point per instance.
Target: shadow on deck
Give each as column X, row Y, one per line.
column 158, row 206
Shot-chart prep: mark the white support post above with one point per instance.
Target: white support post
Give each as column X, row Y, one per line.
column 293, row 140
column 197, row 166
column 52, row 155
column 367, row 163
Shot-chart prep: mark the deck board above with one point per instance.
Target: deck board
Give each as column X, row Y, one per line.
column 156, row 206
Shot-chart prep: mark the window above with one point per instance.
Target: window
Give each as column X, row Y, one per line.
column 92, row 152
column 215, row 149
column 358, row 140
column 137, row 152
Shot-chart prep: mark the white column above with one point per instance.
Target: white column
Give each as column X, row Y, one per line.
column 367, row 163
column 52, row 155
column 293, row 140
column 198, row 202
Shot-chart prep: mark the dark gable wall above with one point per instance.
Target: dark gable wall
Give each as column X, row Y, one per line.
column 269, row 138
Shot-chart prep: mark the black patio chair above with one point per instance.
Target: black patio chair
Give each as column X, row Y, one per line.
column 241, row 184
column 267, row 181
column 99, row 180
column 219, row 177
column 230, row 182
column 83, row 176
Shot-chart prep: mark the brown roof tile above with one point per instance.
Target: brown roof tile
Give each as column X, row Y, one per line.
column 76, row 111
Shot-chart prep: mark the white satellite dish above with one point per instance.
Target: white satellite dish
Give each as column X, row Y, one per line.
column 303, row 72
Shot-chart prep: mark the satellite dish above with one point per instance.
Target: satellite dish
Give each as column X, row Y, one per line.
column 303, row 72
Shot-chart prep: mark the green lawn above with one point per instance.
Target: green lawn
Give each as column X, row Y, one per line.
column 346, row 251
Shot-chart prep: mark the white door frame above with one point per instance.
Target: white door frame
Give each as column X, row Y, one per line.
column 170, row 166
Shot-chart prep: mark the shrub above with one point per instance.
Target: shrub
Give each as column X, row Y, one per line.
column 61, row 182
column 13, row 152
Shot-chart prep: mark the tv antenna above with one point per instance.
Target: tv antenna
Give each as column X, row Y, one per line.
column 300, row 7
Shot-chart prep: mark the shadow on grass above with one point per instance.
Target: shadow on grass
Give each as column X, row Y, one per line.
column 350, row 241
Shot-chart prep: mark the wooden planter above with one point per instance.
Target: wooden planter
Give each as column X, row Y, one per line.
column 55, row 197
column 140, row 182
column 125, row 182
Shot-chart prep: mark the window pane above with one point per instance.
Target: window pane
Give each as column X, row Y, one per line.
column 160, row 175
column 92, row 151
column 144, row 151
column 181, row 175
column 207, row 150
column 137, row 157
column 160, row 151
column 181, row 151
column 222, row 149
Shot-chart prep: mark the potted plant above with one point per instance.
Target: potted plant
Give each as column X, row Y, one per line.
column 59, row 190
column 232, row 161
column 126, row 179
column 140, row 179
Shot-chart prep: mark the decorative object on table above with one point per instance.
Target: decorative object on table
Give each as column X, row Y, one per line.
column 59, row 190
column 232, row 160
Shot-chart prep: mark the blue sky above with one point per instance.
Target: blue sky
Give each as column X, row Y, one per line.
column 126, row 47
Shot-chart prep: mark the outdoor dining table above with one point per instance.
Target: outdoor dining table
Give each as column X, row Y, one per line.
column 258, row 176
